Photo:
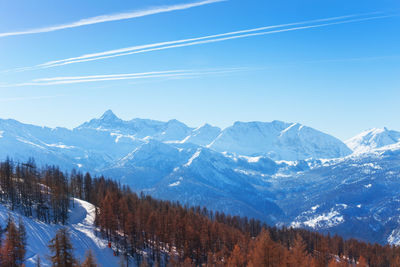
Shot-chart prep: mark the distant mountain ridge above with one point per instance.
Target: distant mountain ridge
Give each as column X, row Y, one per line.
column 278, row 140
column 112, row 138
column 256, row 169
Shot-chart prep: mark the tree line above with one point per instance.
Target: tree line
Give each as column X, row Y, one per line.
column 173, row 234
column 194, row 236
column 43, row 194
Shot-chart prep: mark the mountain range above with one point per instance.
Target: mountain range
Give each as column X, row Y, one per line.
column 283, row 173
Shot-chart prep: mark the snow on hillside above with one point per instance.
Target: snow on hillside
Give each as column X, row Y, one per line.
column 171, row 130
column 81, row 230
column 372, row 139
column 203, row 135
column 278, row 140
column 104, row 141
column 255, row 169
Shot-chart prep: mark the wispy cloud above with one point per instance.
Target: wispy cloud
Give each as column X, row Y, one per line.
column 266, row 30
column 111, row 17
column 125, row 76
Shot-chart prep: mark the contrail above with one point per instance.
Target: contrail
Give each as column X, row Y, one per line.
column 111, row 17
column 132, row 48
column 124, row 76
column 208, row 39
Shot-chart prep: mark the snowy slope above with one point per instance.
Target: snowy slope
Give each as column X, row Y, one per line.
column 256, row 169
column 357, row 196
column 203, row 135
column 373, row 138
column 199, row 176
column 172, row 130
column 80, row 228
column 103, row 142
column 278, row 140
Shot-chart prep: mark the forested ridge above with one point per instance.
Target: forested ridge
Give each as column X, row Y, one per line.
column 173, row 234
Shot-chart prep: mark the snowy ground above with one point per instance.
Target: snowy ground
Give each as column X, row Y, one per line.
column 80, row 228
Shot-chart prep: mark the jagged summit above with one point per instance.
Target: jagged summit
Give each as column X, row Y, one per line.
column 106, row 121
column 277, row 139
column 109, row 115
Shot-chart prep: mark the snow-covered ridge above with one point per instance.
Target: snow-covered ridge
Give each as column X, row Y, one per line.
column 278, row 140
column 373, row 139
column 104, row 141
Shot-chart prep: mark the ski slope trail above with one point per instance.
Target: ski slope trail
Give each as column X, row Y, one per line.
column 81, row 229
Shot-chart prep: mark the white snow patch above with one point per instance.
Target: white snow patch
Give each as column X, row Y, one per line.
column 359, row 206
column 60, row 145
column 195, row 155
column 394, row 237
column 324, row 220
column 315, row 207
column 251, row 159
column 147, row 138
column 281, row 175
column 30, row 143
column 288, row 128
column 185, row 139
column 374, row 166
column 368, row 186
column 118, row 136
column 176, row 183
column 287, row 162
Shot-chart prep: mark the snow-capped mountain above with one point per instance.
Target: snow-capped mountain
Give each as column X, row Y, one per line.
column 278, row 140
column 373, row 138
column 103, row 142
column 172, row 130
column 255, row 169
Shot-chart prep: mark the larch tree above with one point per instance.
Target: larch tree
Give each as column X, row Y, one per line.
column 266, row 252
column 298, row 256
column 22, row 239
column 362, row 262
column 61, row 249
column 13, row 249
column 90, row 261
column 237, row 258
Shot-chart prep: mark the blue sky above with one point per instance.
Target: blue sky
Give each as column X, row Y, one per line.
column 336, row 67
